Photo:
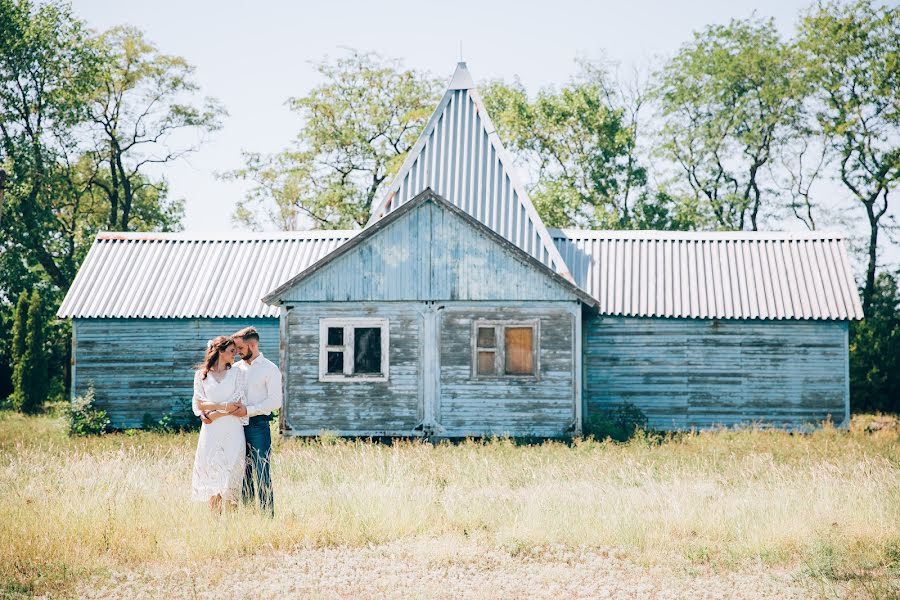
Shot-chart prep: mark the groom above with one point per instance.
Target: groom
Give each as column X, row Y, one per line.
column 263, row 396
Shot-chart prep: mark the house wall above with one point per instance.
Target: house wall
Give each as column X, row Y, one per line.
column 146, row 366
column 686, row 373
column 463, row 405
column 391, row 407
column 430, row 253
column 541, row 406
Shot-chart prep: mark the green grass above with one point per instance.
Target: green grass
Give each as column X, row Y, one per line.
column 826, row 504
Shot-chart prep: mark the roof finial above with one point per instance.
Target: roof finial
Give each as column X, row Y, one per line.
column 461, row 79
column 460, row 51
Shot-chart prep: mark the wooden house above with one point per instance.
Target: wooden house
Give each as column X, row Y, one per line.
column 456, row 312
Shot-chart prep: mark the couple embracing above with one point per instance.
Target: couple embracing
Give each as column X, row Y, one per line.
column 235, row 402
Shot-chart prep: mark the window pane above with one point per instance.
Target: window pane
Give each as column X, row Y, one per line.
column 487, row 337
column 519, row 346
column 336, row 362
column 486, row 363
column 335, row 336
column 367, row 350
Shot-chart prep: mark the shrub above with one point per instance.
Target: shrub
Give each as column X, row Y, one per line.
column 171, row 422
column 86, row 419
column 619, row 422
column 30, row 380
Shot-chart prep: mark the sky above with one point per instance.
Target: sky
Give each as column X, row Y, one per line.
column 253, row 57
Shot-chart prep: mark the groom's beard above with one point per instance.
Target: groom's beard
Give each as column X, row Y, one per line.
column 247, row 356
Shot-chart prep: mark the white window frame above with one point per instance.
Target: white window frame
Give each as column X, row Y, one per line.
column 500, row 349
column 350, row 325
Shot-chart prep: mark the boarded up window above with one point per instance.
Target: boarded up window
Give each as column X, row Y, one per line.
column 519, row 351
column 486, row 344
column 486, row 363
column 505, row 348
column 367, row 350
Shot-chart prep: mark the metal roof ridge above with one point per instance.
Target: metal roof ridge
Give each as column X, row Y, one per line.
column 652, row 234
column 238, row 236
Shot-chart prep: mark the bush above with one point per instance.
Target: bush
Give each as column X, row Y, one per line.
column 86, row 419
column 171, row 422
column 30, row 375
column 875, row 351
column 619, row 422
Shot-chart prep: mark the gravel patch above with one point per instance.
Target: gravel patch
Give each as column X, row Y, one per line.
column 444, row 568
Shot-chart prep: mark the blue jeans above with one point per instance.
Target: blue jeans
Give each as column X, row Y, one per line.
column 258, row 476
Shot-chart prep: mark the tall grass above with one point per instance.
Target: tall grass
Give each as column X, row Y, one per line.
column 828, row 501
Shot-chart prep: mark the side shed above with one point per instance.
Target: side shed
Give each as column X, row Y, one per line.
column 144, row 305
column 716, row 329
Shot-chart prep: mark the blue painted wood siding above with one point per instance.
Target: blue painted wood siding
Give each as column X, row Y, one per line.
column 146, row 366
column 428, row 254
column 542, row 406
column 686, row 373
column 392, row 407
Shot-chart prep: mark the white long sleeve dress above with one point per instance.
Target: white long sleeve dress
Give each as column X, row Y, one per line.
column 221, row 450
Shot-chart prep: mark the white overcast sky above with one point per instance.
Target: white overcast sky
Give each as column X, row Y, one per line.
column 253, row 56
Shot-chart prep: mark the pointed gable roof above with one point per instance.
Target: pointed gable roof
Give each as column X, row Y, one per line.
column 459, row 155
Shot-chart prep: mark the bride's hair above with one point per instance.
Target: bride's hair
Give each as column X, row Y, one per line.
column 213, row 348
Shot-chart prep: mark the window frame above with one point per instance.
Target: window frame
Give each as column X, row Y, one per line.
column 349, row 325
column 500, row 326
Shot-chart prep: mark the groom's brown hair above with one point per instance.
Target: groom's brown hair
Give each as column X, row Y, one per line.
column 247, row 333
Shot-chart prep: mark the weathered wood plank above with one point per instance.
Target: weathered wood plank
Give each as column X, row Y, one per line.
column 146, row 366
column 687, row 373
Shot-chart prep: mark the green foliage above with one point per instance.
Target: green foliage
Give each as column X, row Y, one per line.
column 730, row 98
column 20, row 328
column 142, row 104
column 852, row 54
column 86, row 419
column 30, row 376
column 582, row 142
column 875, row 351
column 620, row 422
column 357, row 129
column 171, row 422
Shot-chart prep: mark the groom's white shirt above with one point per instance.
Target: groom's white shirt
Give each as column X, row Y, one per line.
column 263, row 385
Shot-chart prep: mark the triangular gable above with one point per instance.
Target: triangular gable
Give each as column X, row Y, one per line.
column 460, row 156
column 428, row 249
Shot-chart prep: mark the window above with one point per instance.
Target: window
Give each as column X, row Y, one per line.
column 505, row 348
column 353, row 349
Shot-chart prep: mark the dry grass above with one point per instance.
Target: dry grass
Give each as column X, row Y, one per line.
column 824, row 506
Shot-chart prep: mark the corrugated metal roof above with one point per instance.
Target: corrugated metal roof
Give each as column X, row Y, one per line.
column 713, row 275
column 185, row 276
column 460, row 156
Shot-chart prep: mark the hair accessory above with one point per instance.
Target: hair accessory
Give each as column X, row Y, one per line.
column 209, row 344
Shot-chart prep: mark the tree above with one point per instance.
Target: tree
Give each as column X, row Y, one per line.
column 48, row 69
column 729, row 98
column 19, row 330
column 581, row 140
column 143, row 99
column 357, row 128
column 30, row 379
column 875, row 350
column 852, row 55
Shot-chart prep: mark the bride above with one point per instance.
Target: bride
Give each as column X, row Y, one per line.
column 219, row 400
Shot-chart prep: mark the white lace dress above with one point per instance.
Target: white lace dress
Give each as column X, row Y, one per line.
column 221, row 450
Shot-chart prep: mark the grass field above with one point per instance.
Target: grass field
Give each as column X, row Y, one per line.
column 815, row 515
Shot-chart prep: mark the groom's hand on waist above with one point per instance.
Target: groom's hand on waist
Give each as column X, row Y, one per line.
column 204, row 416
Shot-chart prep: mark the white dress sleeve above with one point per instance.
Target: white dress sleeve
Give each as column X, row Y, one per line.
column 199, row 393
column 240, row 392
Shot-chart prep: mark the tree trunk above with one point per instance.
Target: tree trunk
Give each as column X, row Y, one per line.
column 869, row 289
column 114, row 189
